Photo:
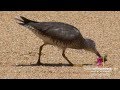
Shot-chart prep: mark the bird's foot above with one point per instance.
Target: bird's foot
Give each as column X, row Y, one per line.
column 71, row 64
column 38, row 63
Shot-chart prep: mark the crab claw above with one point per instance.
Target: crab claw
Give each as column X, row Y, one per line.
column 99, row 61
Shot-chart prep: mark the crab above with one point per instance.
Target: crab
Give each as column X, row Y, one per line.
column 101, row 60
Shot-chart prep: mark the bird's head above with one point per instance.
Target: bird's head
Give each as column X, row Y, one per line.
column 90, row 46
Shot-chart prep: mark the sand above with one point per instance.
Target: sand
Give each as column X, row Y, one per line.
column 19, row 46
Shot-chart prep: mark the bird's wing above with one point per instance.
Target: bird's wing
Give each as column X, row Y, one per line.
column 58, row 31
column 63, row 33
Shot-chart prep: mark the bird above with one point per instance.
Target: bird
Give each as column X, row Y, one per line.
column 59, row 34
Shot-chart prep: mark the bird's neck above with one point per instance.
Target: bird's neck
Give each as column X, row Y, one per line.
column 79, row 44
column 86, row 44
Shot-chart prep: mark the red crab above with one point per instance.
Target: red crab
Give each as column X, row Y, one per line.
column 101, row 60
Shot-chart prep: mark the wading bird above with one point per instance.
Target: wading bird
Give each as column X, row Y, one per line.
column 59, row 34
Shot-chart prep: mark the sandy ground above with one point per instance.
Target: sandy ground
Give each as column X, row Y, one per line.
column 19, row 46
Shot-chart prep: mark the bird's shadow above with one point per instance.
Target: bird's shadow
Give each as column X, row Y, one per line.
column 54, row 65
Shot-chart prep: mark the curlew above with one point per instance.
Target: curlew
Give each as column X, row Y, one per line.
column 59, row 34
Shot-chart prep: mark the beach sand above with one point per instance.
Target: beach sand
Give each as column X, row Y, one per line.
column 19, row 46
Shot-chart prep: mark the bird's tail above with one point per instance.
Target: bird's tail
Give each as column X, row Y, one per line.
column 24, row 20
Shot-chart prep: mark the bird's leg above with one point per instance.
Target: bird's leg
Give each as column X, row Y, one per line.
column 63, row 54
column 40, row 49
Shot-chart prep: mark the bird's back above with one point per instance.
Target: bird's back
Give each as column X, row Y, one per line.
column 57, row 30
